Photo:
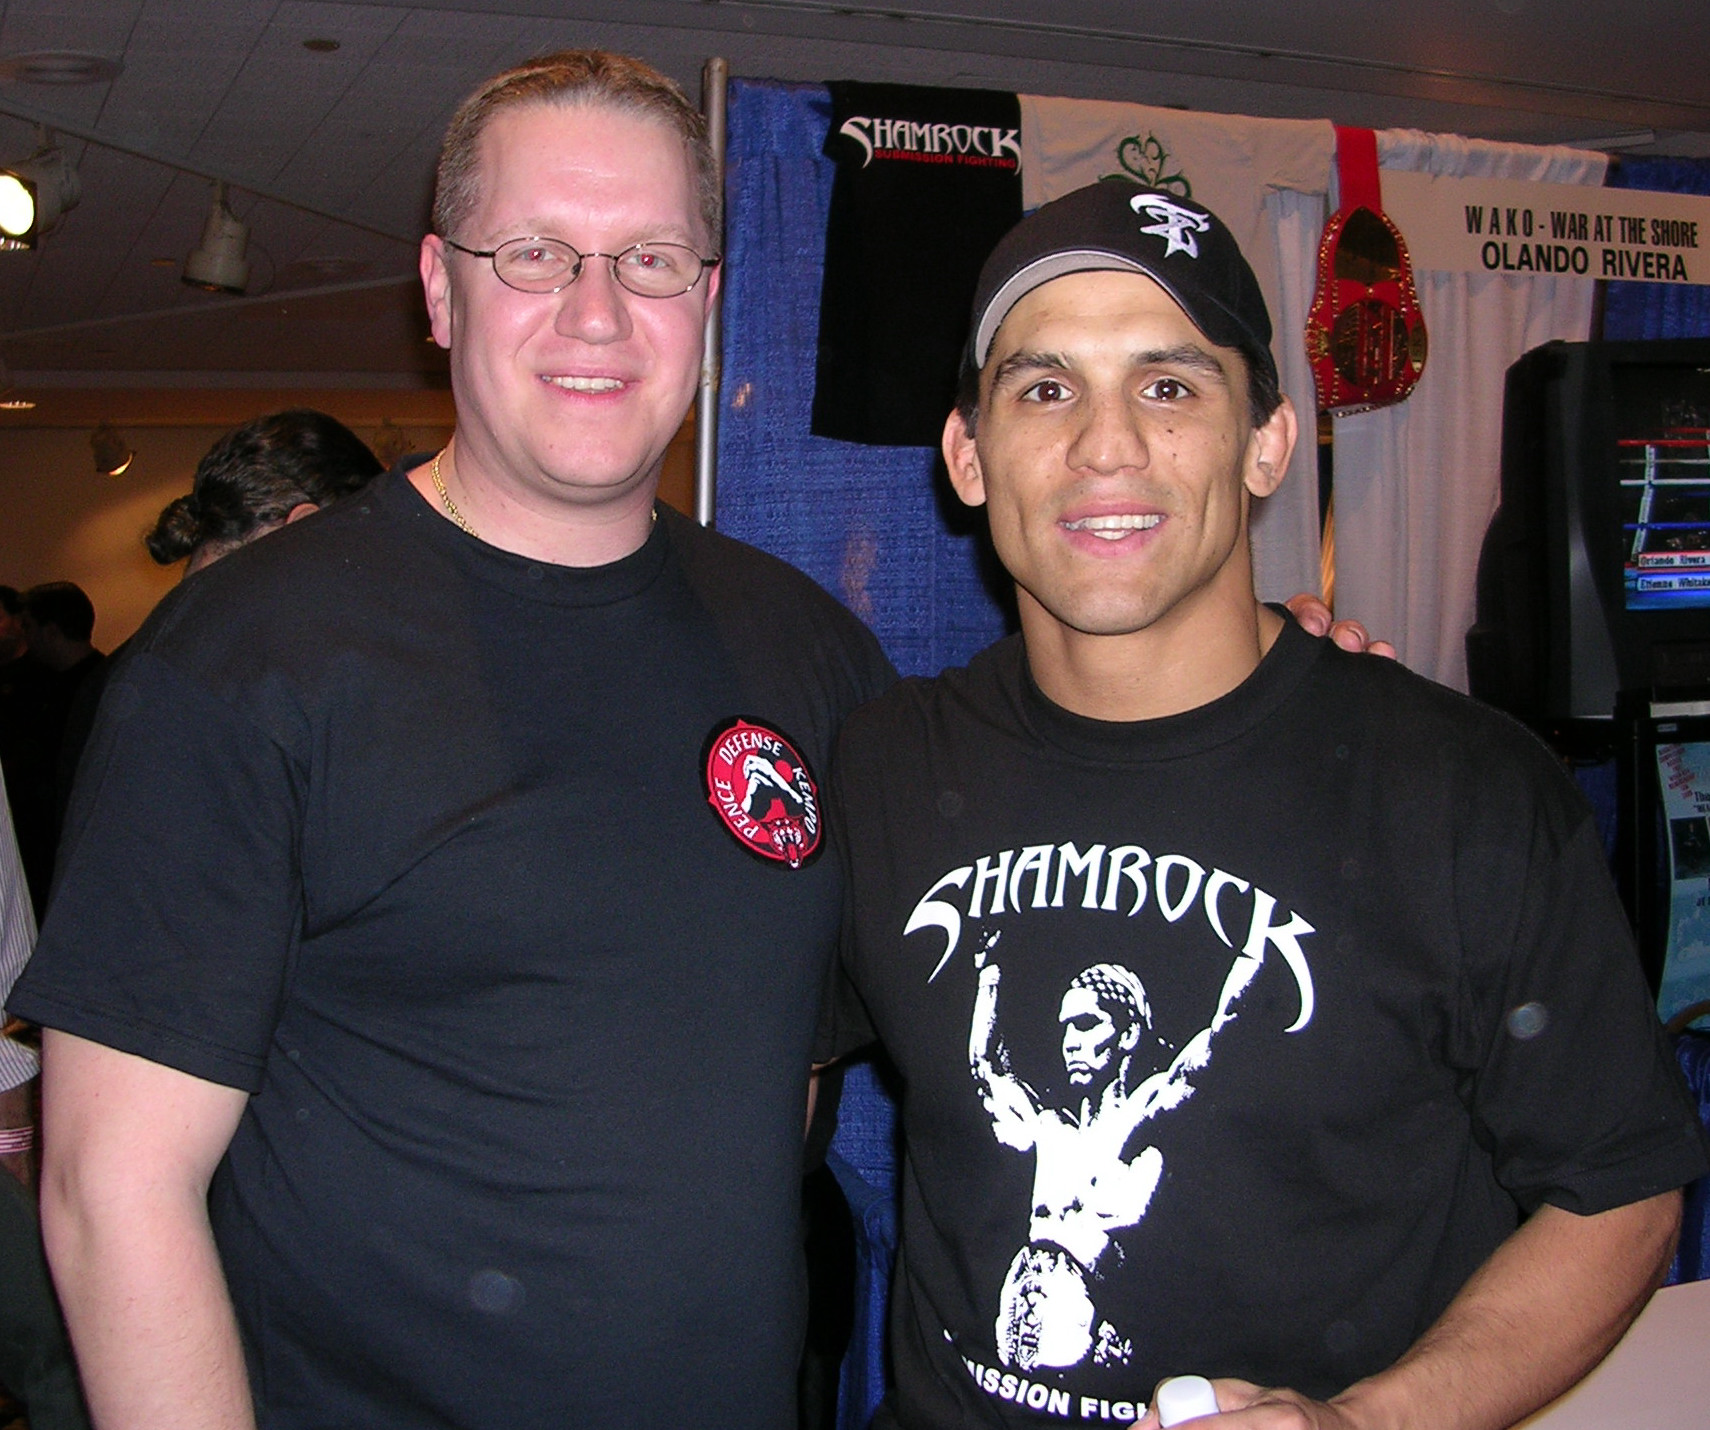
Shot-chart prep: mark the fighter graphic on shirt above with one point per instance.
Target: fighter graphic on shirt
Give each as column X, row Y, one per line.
column 1085, row 1187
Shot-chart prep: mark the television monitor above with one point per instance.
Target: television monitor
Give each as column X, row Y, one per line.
column 1663, row 847
column 1594, row 577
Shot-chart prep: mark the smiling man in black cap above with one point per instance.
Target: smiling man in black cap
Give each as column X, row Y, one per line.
column 1397, row 1127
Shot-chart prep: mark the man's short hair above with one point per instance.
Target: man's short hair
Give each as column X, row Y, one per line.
column 1115, row 986
column 63, row 605
column 256, row 474
column 11, row 601
column 590, row 78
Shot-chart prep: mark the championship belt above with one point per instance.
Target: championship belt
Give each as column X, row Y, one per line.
column 1365, row 335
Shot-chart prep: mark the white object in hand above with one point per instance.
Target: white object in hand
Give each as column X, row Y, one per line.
column 1183, row 1397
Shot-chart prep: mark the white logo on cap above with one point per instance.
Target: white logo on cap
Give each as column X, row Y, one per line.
column 1175, row 225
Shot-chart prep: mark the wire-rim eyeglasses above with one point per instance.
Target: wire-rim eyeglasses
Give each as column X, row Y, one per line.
column 549, row 265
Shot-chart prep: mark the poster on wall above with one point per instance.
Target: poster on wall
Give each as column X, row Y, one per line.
column 1683, row 772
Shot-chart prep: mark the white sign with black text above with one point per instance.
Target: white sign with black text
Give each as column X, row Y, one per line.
column 1512, row 226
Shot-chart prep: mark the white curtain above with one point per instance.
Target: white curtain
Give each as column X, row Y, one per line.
column 1416, row 484
column 1285, row 525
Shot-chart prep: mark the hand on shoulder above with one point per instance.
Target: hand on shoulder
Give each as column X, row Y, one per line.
column 1315, row 618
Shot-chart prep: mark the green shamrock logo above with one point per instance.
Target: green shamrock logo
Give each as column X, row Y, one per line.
column 1147, row 160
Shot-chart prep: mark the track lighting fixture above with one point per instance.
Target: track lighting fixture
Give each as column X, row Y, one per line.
column 113, row 454
column 218, row 264
column 35, row 193
column 11, row 400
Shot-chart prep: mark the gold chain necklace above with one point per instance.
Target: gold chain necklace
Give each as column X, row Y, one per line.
column 463, row 521
column 445, row 498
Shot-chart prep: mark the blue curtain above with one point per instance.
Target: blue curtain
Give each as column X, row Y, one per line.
column 876, row 526
column 1658, row 310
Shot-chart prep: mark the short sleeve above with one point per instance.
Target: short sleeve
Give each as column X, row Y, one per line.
column 178, row 904
column 1572, row 1085
column 844, row 1026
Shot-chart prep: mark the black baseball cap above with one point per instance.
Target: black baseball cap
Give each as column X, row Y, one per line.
column 1118, row 225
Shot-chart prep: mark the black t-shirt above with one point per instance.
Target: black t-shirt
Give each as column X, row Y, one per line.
column 413, row 839
column 928, row 180
column 1232, row 1042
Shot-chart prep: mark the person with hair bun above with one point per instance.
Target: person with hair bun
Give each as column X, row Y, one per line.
column 259, row 477
column 256, row 479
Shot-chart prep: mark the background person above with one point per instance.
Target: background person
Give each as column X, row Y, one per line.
column 58, row 621
column 13, row 645
column 25, row 698
column 35, row 1358
column 257, row 478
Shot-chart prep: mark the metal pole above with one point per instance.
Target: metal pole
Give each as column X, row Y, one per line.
column 714, row 75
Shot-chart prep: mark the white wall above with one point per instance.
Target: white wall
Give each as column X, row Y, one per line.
column 60, row 520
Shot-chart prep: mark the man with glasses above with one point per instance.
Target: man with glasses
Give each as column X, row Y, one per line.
column 545, row 265
column 446, row 889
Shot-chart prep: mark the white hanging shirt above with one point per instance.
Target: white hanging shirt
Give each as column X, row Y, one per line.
column 1228, row 162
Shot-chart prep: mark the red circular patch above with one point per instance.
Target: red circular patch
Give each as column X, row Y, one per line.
column 759, row 786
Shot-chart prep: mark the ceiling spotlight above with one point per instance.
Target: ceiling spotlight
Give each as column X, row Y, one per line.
column 59, row 67
column 218, row 265
column 11, row 400
column 35, row 193
column 113, row 454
